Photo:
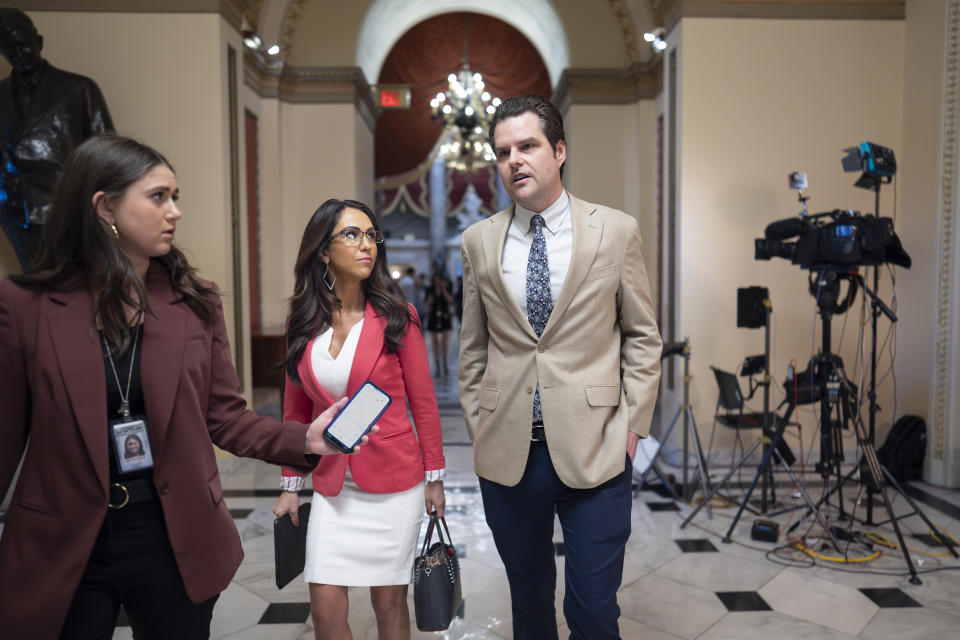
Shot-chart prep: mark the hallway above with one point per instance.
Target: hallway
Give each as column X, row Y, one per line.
column 677, row 583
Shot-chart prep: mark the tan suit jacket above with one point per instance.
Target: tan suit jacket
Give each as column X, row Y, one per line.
column 597, row 362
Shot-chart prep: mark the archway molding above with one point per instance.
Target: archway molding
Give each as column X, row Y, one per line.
column 387, row 20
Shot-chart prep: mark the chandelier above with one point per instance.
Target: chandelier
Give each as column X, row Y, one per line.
column 465, row 109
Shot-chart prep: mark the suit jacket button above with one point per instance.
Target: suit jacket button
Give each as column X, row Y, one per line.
column 164, row 489
column 541, row 348
column 529, row 389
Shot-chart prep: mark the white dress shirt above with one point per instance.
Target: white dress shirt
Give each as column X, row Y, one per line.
column 558, row 233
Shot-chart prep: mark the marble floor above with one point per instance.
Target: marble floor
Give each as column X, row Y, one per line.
column 679, row 581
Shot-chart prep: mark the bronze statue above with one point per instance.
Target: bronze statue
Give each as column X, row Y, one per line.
column 44, row 114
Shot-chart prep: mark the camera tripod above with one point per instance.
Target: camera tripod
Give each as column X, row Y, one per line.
column 876, row 483
column 689, row 431
column 833, row 403
column 836, row 389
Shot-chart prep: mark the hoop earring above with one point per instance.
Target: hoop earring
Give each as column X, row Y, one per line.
column 329, row 284
column 116, row 234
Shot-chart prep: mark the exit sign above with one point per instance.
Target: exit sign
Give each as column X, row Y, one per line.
column 393, row 96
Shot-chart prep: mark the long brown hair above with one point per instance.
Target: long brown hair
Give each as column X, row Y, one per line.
column 78, row 248
column 313, row 303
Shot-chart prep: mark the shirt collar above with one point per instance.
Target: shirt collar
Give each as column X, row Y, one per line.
column 553, row 216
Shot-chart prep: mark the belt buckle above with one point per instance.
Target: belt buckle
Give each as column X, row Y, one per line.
column 126, row 497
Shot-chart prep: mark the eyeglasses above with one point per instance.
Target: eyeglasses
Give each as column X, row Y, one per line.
column 353, row 236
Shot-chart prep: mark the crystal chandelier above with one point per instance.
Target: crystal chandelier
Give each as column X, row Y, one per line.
column 465, row 108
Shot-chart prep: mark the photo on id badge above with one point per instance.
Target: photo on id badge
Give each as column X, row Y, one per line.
column 132, row 444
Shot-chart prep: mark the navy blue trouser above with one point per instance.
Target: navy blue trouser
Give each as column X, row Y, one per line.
column 596, row 526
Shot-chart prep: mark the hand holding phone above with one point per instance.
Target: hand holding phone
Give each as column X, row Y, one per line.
column 357, row 418
column 316, row 443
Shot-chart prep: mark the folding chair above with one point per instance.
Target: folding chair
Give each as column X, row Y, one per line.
column 735, row 415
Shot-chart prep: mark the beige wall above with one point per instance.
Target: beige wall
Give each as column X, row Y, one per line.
column 759, row 99
column 327, row 34
column 919, row 169
column 309, row 153
column 171, row 97
column 594, row 35
column 611, row 160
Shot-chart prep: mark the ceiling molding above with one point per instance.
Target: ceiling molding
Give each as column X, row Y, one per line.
column 232, row 10
column 627, row 30
column 609, row 86
column 671, row 11
column 291, row 20
column 313, row 85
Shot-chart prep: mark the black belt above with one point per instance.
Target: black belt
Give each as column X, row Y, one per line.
column 537, row 434
column 124, row 493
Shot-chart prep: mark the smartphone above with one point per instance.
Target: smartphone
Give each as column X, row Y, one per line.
column 355, row 420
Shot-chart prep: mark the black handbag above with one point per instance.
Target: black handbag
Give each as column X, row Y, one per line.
column 436, row 580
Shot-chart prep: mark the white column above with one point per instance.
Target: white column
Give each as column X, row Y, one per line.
column 438, row 212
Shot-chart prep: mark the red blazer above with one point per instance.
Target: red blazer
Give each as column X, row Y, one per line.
column 53, row 390
column 395, row 458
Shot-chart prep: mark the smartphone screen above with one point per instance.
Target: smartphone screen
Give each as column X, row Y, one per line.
column 355, row 419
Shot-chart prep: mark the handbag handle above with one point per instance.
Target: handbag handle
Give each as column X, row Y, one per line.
column 434, row 518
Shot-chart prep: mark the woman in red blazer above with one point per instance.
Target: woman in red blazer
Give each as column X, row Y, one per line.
column 349, row 324
column 114, row 318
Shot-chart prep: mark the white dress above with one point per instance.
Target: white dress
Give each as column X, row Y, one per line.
column 358, row 539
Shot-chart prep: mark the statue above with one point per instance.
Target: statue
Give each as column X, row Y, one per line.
column 44, row 114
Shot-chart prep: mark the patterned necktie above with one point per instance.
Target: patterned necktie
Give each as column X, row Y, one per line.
column 539, row 302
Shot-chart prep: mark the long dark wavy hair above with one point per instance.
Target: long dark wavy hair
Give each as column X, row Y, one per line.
column 313, row 303
column 78, row 248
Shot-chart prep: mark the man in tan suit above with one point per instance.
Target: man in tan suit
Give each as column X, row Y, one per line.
column 559, row 368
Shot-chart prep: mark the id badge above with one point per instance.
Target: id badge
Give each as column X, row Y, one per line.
column 131, row 444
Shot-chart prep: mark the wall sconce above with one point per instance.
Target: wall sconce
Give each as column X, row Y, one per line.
column 656, row 38
column 250, row 38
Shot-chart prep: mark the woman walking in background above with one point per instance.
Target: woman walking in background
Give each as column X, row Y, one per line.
column 439, row 313
column 349, row 323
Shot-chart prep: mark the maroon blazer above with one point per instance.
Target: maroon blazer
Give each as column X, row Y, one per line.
column 53, row 390
column 396, row 458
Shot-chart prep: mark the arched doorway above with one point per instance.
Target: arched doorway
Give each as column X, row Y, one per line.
column 411, row 195
column 387, row 20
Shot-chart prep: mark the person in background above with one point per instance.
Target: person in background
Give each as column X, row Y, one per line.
column 113, row 333
column 439, row 302
column 408, row 284
column 348, row 324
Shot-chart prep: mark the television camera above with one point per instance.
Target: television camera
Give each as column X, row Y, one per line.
column 841, row 238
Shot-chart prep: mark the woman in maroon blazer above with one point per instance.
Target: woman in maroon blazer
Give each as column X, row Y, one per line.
column 112, row 334
column 349, row 323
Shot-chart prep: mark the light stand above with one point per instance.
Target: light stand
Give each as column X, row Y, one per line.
column 768, row 476
column 689, row 428
column 772, row 447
